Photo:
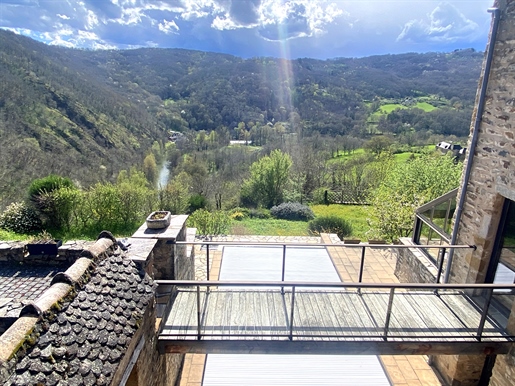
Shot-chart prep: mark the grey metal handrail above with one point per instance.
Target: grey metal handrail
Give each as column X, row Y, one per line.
column 391, row 286
column 338, row 284
column 363, row 247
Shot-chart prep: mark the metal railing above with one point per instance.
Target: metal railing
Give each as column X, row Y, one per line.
column 486, row 290
column 442, row 250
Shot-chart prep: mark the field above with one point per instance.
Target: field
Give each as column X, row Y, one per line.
column 425, row 106
column 388, row 108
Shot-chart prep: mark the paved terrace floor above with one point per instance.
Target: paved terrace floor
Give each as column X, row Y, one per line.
column 379, row 268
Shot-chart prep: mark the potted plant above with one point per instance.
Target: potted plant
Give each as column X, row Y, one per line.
column 158, row 219
column 44, row 244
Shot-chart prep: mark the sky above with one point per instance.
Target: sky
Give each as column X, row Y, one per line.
column 250, row 28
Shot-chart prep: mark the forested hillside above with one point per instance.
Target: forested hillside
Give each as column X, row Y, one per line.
column 89, row 114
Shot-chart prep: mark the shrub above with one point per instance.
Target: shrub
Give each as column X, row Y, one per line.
column 209, row 223
column 42, row 192
column 20, row 218
column 239, row 214
column 330, row 224
column 292, row 211
column 197, row 201
column 260, row 213
column 48, row 184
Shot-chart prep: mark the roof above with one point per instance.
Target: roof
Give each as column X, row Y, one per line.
column 25, row 282
column 83, row 343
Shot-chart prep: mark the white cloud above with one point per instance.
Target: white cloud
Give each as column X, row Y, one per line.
column 444, row 24
column 299, row 18
column 168, row 27
column 324, row 28
column 91, row 20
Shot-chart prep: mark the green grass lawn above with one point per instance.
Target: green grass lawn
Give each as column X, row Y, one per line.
column 356, row 215
column 269, row 227
column 11, row 236
column 402, row 157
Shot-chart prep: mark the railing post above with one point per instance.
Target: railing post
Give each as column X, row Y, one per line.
column 484, row 314
column 283, row 267
column 174, row 259
column 199, row 316
column 441, row 252
column 361, row 265
column 388, row 314
column 291, row 312
column 207, row 262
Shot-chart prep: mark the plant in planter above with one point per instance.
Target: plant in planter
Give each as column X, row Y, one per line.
column 158, row 219
column 44, row 244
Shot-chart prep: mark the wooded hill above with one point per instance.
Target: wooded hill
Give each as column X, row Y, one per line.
column 89, row 114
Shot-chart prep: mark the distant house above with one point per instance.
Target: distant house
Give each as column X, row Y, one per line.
column 457, row 150
column 240, row 142
column 175, row 136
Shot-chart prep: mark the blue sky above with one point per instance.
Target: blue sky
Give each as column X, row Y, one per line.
column 280, row 28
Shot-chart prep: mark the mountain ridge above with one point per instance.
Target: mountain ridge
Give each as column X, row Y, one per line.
column 89, row 114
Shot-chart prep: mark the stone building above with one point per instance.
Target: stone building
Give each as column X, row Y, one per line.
column 485, row 203
column 96, row 322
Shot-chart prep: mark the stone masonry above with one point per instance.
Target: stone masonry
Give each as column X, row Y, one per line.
column 492, row 180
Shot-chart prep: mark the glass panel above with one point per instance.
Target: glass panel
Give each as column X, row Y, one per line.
column 433, row 225
column 505, row 272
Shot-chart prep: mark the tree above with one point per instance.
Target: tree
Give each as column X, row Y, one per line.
column 150, row 169
column 175, row 196
column 268, row 179
column 408, row 186
column 379, row 144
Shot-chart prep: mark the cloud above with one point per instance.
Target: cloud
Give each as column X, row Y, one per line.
column 168, row 27
column 273, row 19
column 324, row 28
column 445, row 24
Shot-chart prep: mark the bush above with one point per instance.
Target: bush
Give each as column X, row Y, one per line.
column 292, row 211
column 260, row 213
column 48, row 184
column 330, row 224
column 57, row 207
column 42, row 194
column 20, row 218
column 196, row 202
column 209, row 223
column 239, row 214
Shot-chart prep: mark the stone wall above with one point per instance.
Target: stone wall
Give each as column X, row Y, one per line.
column 152, row 368
column 16, row 252
column 413, row 266
column 492, row 175
column 492, row 179
column 159, row 254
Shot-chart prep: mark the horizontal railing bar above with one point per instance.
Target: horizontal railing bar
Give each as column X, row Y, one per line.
column 378, row 337
column 428, row 286
column 317, row 245
column 433, row 226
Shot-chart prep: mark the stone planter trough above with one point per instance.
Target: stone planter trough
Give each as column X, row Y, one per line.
column 158, row 219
